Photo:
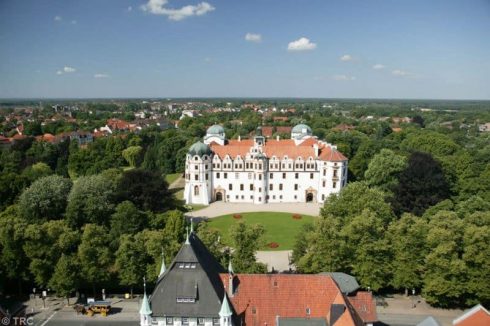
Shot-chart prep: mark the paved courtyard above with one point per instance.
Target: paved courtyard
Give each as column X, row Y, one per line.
column 221, row 208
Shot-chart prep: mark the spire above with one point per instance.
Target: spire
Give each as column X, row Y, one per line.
column 225, row 308
column 230, row 268
column 162, row 268
column 187, row 238
column 145, row 304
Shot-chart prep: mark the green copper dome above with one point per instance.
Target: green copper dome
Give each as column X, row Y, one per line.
column 215, row 130
column 199, row 149
column 299, row 129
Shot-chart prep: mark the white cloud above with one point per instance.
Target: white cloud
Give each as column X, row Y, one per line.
column 157, row 7
column 379, row 66
column 130, row 9
column 101, row 76
column 346, row 57
column 253, row 37
column 302, row 44
column 68, row 69
column 402, row 73
column 343, row 78
column 57, row 18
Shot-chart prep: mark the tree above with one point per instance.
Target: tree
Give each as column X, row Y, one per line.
column 301, row 244
column 65, row 277
column 94, row 255
column 44, row 244
column 127, row 219
column 91, row 200
column 132, row 155
column 130, row 261
column 369, row 250
column 174, row 231
column 246, row 240
column 148, row 190
column 476, row 257
column 37, row 171
column 45, row 199
column 211, row 239
column 421, row 185
column 353, row 199
column 325, row 248
column 406, row 238
column 444, row 279
column 14, row 260
column 359, row 163
column 384, row 169
column 430, row 142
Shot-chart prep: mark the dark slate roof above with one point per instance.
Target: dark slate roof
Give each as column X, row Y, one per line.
column 429, row 321
column 347, row 283
column 301, row 322
column 194, row 275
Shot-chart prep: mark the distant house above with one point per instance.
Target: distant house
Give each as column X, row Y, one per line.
column 82, row 137
column 280, row 119
column 476, row 316
column 484, row 127
column 49, row 138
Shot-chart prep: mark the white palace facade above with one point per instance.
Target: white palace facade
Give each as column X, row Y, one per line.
column 260, row 170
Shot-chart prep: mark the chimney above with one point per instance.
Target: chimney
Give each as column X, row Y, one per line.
column 277, row 137
column 239, row 138
column 315, row 147
column 231, row 289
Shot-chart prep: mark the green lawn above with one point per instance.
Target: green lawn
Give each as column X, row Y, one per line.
column 279, row 227
column 170, row 178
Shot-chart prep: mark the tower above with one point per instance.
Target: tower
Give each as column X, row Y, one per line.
column 163, row 268
column 198, row 169
column 225, row 313
column 145, row 310
column 231, row 287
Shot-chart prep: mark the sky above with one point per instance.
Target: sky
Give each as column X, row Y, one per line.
column 426, row 49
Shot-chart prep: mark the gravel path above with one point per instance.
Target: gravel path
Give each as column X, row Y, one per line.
column 220, row 208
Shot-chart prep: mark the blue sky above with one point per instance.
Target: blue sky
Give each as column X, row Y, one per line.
column 194, row 48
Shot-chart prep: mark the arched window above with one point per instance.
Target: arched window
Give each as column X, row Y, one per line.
column 196, row 190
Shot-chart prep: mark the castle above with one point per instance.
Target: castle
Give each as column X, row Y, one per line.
column 260, row 170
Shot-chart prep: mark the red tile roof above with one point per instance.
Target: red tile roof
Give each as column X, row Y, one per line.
column 280, row 148
column 477, row 316
column 47, row 138
column 365, row 306
column 260, row 298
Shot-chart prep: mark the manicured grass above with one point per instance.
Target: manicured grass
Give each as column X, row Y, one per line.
column 170, row 178
column 279, row 227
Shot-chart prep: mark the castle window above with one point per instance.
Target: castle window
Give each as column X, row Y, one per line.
column 284, row 175
column 324, row 183
column 230, row 186
column 311, row 175
column 280, row 186
column 207, row 177
column 272, row 175
column 251, row 187
column 260, row 176
column 217, row 175
column 296, row 186
column 215, row 321
column 196, row 177
column 280, row 197
column 271, row 186
column 308, row 311
column 241, row 187
column 200, row 321
column 254, row 310
column 323, row 197
column 185, row 320
column 260, row 190
column 196, row 167
column 196, row 190
column 225, row 175
column 170, row 320
column 296, row 175
column 335, row 173
column 334, row 185
column 324, row 172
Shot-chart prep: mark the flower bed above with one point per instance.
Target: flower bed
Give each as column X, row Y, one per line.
column 297, row 216
column 237, row 216
column 273, row 245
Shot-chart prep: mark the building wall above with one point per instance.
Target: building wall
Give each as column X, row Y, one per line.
column 274, row 183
